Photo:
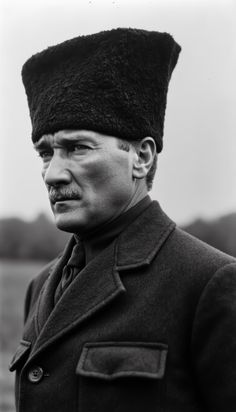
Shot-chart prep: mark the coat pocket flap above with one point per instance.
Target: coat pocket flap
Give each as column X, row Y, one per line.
column 111, row 360
column 21, row 351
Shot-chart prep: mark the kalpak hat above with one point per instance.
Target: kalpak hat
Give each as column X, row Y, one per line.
column 113, row 82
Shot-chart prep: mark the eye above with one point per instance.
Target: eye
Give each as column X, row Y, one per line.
column 78, row 148
column 45, row 154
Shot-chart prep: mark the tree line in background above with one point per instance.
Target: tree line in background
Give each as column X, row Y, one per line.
column 41, row 240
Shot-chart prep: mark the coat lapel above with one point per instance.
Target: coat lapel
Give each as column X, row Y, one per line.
column 99, row 282
column 46, row 299
column 95, row 286
column 43, row 306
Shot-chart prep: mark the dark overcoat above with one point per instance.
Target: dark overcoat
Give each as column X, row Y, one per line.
column 148, row 325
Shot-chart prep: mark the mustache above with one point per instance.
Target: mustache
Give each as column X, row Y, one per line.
column 59, row 194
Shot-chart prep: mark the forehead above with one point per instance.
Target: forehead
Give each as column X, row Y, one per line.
column 69, row 136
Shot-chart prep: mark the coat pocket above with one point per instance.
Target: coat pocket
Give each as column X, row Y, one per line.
column 121, row 376
column 20, row 354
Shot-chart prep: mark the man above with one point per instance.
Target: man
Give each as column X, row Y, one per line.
column 135, row 315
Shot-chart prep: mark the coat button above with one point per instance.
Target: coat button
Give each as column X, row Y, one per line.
column 35, row 374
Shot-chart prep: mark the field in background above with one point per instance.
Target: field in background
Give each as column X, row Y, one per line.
column 14, row 278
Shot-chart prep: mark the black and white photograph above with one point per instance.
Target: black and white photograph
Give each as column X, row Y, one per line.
column 118, row 206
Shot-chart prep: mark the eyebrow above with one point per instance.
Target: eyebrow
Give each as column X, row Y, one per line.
column 64, row 141
column 41, row 144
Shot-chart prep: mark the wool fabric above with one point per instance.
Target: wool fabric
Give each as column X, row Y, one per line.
column 113, row 82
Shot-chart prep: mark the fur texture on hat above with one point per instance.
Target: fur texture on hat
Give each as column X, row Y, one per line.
column 113, row 82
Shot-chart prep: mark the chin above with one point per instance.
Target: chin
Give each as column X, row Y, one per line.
column 68, row 223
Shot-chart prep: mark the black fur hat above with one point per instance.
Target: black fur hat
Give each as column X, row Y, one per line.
column 113, row 82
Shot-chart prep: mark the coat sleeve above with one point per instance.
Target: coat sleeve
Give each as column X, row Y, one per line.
column 214, row 342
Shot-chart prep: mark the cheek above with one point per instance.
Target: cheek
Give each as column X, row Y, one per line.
column 104, row 175
column 111, row 183
column 94, row 173
column 109, row 175
column 97, row 172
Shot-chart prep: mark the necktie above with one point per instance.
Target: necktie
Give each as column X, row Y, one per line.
column 71, row 269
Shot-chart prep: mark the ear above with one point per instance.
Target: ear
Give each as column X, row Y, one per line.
column 144, row 157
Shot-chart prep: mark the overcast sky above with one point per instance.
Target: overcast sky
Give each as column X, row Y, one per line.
column 197, row 169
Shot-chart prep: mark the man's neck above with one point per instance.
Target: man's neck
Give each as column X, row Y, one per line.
column 139, row 194
column 96, row 241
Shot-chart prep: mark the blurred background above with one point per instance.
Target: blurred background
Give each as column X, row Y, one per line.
column 195, row 182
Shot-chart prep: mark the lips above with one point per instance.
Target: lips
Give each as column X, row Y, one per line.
column 54, row 200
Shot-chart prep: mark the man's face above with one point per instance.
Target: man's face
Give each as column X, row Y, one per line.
column 88, row 177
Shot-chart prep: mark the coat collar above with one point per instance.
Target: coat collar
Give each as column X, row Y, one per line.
column 141, row 240
column 99, row 282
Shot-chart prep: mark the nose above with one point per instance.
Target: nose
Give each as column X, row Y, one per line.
column 56, row 172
